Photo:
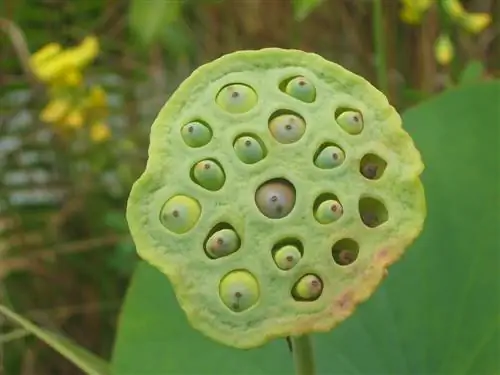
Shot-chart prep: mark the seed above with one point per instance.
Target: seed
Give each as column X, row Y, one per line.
column 249, row 149
column 329, row 157
column 209, row 174
column 301, row 88
column 275, row 198
column 287, row 257
column 196, row 134
column 239, row 290
column 222, row 243
column 287, row 128
column 328, row 211
column 236, row 98
column 351, row 121
column 180, row 214
column 308, row 288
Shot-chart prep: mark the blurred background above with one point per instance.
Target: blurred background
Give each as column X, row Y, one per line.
column 81, row 83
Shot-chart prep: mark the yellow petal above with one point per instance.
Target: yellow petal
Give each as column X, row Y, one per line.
column 454, row 9
column 99, row 132
column 54, row 111
column 97, row 97
column 44, row 53
column 443, row 50
column 410, row 16
column 74, row 119
column 476, row 22
column 85, row 53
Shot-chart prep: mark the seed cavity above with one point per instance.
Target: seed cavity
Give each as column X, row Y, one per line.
column 208, row 174
column 222, row 241
column 196, row 134
column 249, row 149
column 236, row 98
column 373, row 212
column 287, row 126
column 372, row 166
column 329, row 156
column 350, row 120
column 275, row 198
column 307, row 288
column 239, row 290
column 300, row 88
column 327, row 209
column 345, row 251
column 180, row 213
column 287, row 253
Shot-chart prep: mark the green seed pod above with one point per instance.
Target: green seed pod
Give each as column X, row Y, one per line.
column 329, row 157
column 249, row 149
column 180, row 214
column 209, row 174
column 328, row 211
column 222, row 243
column 237, row 98
column 308, row 288
column 287, row 128
column 301, row 88
column 196, row 134
column 239, row 290
column 351, row 121
column 287, row 257
column 275, row 199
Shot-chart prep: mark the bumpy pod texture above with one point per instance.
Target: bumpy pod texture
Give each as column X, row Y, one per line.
column 241, row 297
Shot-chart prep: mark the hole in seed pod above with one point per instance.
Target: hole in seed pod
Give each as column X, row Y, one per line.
column 350, row 120
column 208, row 174
column 329, row 156
column 300, row 88
column 308, row 288
column 239, row 290
column 286, row 126
column 196, row 133
column 275, row 198
column 345, row 251
column 221, row 241
column 373, row 212
column 327, row 208
column 180, row 214
column 249, row 148
column 372, row 166
column 287, row 253
column 236, row 98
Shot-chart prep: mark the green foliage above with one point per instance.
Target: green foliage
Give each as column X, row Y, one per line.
column 472, row 73
column 302, row 8
column 436, row 312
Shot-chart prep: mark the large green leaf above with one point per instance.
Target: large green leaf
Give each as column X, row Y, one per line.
column 79, row 356
column 436, row 313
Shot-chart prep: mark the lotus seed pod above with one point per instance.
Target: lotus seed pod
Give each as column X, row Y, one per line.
column 239, row 290
column 237, row 98
column 180, row 214
column 278, row 200
column 302, row 89
column 196, row 134
column 351, row 121
column 275, row 199
column 222, row 243
column 249, row 149
column 209, row 174
column 308, row 288
column 287, row 257
column 287, row 128
column 329, row 157
column 328, row 211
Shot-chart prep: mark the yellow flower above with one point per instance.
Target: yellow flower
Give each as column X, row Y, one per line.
column 454, row 9
column 99, row 132
column 414, row 10
column 44, row 53
column 54, row 111
column 97, row 97
column 74, row 119
column 443, row 49
column 476, row 22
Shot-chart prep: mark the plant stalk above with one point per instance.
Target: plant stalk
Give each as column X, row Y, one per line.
column 303, row 356
column 379, row 46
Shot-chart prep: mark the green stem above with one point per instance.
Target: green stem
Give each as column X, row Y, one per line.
column 379, row 45
column 303, row 356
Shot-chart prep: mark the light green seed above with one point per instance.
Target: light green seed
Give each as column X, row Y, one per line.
column 287, row 257
column 351, row 121
column 287, row 128
column 222, row 243
column 180, row 214
column 275, row 199
column 237, row 98
column 249, row 149
column 328, row 211
column 239, row 290
column 330, row 157
column 196, row 134
column 308, row 288
column 301, row 88
column 209, row 174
